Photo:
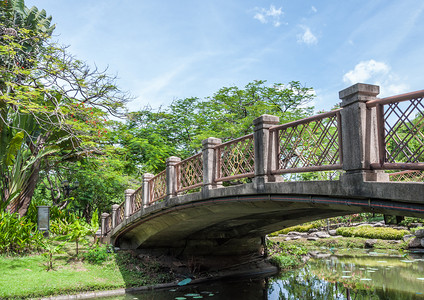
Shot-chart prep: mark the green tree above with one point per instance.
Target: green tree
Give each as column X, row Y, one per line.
column 149, row 136
column 53, row 107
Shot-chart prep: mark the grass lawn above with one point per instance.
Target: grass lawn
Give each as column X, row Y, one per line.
column 27, row 276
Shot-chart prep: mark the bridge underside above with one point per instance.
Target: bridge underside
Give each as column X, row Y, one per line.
column 236, row 224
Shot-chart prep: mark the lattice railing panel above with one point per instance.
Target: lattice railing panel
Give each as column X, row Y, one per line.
column 120, row 214
column 108, row 224
column 236, row 159
column 137, row 200
column 157, row 187
column 404, row 131
column 309, row 144
column 408, row 176
column 190, row 173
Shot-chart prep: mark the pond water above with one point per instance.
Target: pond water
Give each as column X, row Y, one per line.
column 368, row 275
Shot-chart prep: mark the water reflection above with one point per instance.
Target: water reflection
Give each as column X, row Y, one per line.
column 368, row 276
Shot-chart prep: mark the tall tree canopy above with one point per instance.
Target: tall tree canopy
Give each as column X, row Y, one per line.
column 53, row 107
column 150, row 136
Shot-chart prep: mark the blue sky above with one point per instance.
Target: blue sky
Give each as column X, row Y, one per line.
column 166, row 49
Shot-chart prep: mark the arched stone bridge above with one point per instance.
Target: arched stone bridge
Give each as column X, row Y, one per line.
column 367, row 156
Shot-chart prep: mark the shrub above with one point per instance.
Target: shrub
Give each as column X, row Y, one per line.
column 285, row 261
column 18, row 234
column 413, row 230
column 299, row 228
column 98, row 255
column 372, row 232
column 408, row 220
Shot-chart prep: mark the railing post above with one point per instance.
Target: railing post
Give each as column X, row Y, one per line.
column 209, row 162
column 114, row 208
column 103, row 223
column 127, row 211
column 359, row 133
column 263, row 155
column 171, row 176
column 146, row 190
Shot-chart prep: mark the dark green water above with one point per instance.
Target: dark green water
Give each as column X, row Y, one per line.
column 360, row 276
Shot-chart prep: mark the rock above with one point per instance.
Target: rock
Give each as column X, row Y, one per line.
column 295, row 237
column 314, row 253
column 419, row 233
column 400, row 227
column 379, row 224
column 288, row 239
column 414, row 243
column 422, row 243
column 332, row 232
column 407, row 237
column 370, row 243
column 293, row 233
column 416, row 224
column 321, row 234
column 312, row 230
column 312, row 238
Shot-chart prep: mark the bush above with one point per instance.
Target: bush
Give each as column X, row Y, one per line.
column 299, row 228
column 285, row 261
column 408, row 220
column 18, row 235
column 413, row 230
column 372, row 232
column 98, row 255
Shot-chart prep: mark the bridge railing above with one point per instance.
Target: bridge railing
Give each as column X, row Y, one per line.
column 189, row 173
column 157, row 187
column 136, row 200
column 364, row 137
column 408, row 176
column 235, row 159
column 307, row 145
column 400, row 127
column 120, row 211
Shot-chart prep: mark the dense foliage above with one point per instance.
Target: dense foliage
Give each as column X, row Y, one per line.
column 18, row 235
column 150, row 136
column 384, row 233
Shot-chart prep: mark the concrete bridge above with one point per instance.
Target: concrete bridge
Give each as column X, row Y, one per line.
column 367, row 156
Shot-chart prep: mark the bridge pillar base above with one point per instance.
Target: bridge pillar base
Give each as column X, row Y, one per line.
column 357, row 177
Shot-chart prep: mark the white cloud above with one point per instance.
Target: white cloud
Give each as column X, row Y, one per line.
column 379, row 73
column 307, row 37
column 366, row 70
column 314, row 9
column 269, row 15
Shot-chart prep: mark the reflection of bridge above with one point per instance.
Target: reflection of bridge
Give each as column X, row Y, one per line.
column 224, row 199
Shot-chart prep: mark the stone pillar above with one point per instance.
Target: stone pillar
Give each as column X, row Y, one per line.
column 264, row 157
column 127, row 211
column 146, row 191
column 103, row 223
column 171, row 176
column 114, row 208
column 209, row 162
column 359, row 133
